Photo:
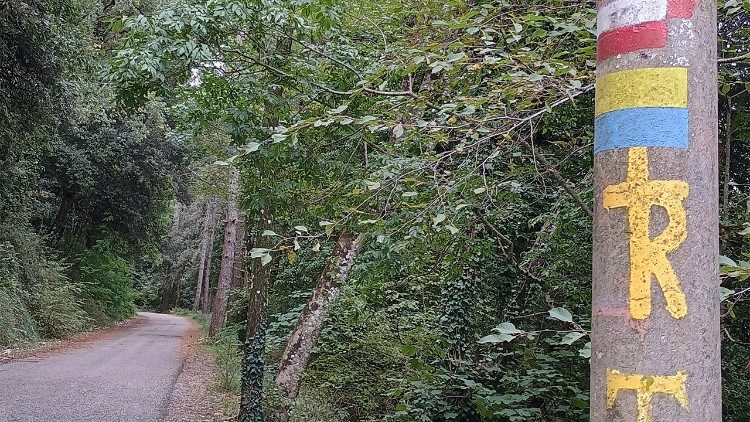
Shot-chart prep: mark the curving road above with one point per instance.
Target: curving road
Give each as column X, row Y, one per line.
column 126, row 378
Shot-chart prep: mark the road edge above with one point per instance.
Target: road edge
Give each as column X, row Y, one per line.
column 195, row 396
column 50, row 348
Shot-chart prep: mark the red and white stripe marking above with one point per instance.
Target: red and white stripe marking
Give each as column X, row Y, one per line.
column 624, row 13
column 626, row 26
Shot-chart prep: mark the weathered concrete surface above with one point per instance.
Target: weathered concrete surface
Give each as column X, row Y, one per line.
column 125, row 378
column 662, row 343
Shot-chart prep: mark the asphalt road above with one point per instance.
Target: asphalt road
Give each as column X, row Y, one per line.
column 126, row 378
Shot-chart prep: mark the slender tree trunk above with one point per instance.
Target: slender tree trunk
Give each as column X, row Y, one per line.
column 253, row 364
column 219, row 306
column 176, row 215
column 299, row 348
column 206, row 243
column 168, row 292
column 238, row 272
column 724, row 212
column 167, row 296
column 727, row 160
column 206, row 300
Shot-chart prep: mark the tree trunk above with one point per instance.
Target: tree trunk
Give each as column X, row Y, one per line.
column 206, row 244
column 167, row 296
column 253, row 364
column 724, row 211
column 238, row 272
column 206, row 301
column 168, row 292
column 727, row 160
column 299, row 348
column 221, row 297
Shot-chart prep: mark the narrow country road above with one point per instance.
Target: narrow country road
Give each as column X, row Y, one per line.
column 125, row 378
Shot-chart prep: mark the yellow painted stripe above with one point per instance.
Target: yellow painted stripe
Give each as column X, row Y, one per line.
column 651, row 87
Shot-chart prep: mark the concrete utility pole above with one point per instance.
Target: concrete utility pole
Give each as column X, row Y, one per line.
column 655, row 341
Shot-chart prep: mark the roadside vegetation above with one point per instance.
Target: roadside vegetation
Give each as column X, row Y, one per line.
column 377, row 211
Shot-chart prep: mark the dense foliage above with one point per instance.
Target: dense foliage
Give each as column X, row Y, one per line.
column 457, row 136
column 84, row 185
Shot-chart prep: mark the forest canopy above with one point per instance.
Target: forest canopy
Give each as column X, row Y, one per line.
column 385, row 207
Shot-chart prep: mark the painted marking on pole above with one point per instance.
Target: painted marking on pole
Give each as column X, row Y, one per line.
column 645, row 387
column 649, row 87
column 652, row 127
column 625, row 26
column 649, row 256
column 624, row 13
column 642, row 108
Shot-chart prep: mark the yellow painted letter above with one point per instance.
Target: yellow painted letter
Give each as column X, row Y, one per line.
column 645, row 386
column 649, row 256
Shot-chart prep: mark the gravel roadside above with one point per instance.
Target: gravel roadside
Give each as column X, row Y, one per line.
column 195, row 397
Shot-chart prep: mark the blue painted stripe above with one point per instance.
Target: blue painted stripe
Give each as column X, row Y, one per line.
column 642, row 127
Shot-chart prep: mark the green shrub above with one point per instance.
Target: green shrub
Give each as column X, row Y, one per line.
column 37, row 300
column 55, row 303
column 16, row 325
column 226, row 349
column 106, row 284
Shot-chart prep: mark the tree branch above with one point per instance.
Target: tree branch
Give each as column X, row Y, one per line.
column 730, row 60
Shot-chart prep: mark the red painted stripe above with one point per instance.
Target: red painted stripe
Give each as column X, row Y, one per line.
column 632, row 38
column 681, row 9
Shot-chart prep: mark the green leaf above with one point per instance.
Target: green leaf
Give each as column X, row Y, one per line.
column 507, row 328
column 480, row 191
column 455, row 57
column 365, row 119
column 408, row 350
column 451, row 229
column 571, row 338
column 561, row 314
column 278, row 137
column 723, row 260
column 258, row 252
column 496, row 338
column 269, row 233
column 585, row 352
column 323, row 123
column 252, row 147
column 409, row 194
column 338, row 110
column 373, row 185
column 301, row 229
column 438, row 219
column 726, row 293
column 265, row 259
column 398, row 130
